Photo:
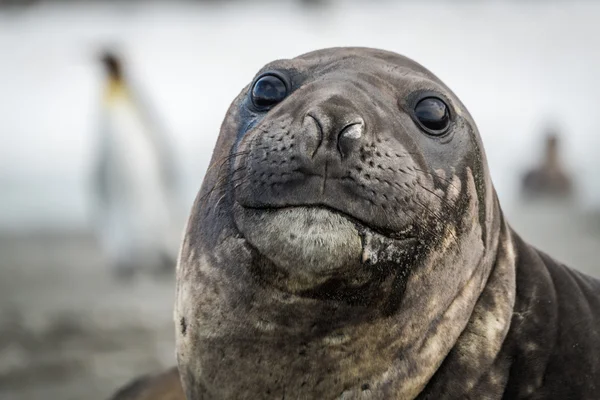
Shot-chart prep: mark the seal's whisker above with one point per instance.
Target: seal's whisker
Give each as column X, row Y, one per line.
column 448, row 181
column 437, row 217
column 444, row 202
column 428, row 209
column 219, row 200
column 220, row 162
column 221, row 184
column 222, row 181
column 451, row 206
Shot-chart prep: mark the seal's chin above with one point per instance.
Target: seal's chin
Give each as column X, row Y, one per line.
column 305, row 247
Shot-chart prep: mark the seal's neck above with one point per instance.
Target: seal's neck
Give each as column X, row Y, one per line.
column 271, row 344
column 472, row 365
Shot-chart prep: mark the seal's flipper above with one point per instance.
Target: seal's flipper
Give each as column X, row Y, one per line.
column 163, row 386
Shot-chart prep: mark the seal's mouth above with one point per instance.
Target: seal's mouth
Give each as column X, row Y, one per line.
column 409, row 232
column 301, row 248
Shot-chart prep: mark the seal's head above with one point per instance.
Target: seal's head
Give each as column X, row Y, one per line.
column 345, row 229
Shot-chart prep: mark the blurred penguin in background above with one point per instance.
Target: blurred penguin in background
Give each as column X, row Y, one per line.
column 135, row 180
column 549, row 179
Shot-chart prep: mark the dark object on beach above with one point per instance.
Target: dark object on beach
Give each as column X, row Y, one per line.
column 550, row 178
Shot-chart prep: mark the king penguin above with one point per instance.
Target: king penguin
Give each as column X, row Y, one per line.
column 135, row 179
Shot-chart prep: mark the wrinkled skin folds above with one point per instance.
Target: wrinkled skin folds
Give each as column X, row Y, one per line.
column 339, row 250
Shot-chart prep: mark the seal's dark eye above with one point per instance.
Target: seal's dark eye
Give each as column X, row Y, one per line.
column 432, row 113
column 268, row 90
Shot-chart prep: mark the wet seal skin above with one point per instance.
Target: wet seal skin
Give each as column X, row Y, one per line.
column 347, row 243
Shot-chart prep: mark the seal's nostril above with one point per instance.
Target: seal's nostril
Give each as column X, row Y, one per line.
column 352, row 131
column 313, row 129
column 349, row 137
column 316, row 122
column 332, row 130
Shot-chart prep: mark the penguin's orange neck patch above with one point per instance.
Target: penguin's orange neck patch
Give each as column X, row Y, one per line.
column 114, row 89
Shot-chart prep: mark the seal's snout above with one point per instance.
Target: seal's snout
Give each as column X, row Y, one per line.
column 323, row 149
column 327, row 142
column 333, row 133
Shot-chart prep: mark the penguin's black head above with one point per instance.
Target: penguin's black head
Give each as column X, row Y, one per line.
column 112, row 64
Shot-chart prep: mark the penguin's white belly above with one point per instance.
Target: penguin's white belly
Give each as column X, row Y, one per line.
column 137, row 215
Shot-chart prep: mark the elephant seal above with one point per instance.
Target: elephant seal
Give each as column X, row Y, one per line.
column 347, row 243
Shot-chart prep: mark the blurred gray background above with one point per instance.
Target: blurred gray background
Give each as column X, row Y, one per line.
column 68, row 328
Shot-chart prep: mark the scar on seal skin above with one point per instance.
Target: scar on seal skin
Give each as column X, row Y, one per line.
column 347, row 243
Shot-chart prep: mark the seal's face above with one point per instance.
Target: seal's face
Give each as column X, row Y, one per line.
column 339, row 163
column 341, row 238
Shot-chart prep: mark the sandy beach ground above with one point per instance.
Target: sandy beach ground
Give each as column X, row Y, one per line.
column 70, row 330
